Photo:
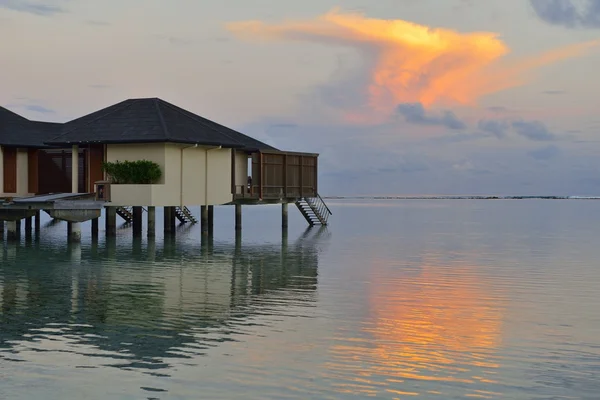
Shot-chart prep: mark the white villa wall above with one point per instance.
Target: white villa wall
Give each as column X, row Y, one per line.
column 183, row 181
column 22, row 172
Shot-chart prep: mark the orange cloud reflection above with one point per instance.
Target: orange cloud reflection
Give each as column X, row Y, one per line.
column 441, row 326
column 415, row 63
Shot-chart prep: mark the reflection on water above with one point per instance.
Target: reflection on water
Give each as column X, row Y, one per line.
column 415, row 299
column 436, row 324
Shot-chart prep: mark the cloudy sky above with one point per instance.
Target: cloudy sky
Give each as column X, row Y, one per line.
column 398, row 96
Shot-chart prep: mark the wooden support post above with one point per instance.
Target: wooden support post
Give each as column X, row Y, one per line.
column 204, row 219
column 151, row 222
column 211, row 219
column 137, row 221
column 173, row 219
column 238, row 217
column 28, row 225
column 38, row 222
column 168, row 217
column 111, row 221
column 284, row 215
column 95, row 228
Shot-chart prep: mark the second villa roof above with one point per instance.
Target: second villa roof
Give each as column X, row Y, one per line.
column 148, row 120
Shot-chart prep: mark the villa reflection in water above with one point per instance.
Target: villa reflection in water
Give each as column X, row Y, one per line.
column 139, row 306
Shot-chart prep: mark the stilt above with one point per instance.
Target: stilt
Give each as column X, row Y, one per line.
column 111, row 221
column 38, row 222
column 238, row 217
column 95, row 228
column 69, row 229
column 1, row 230
column 211, row 219
column 28, row 225
column 137, row 221
column 12, row 231
column 284, row 215
column 169, row 220
column 19, row 226
column 75, row 232
column 204, row 219
column 173, row 219
column 151, row 222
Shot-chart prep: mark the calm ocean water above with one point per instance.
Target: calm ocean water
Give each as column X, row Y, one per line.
column 415, row 299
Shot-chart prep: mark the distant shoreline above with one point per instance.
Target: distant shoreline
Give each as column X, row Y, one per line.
column 461, row 197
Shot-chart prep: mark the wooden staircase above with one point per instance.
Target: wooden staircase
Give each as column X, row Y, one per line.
column 314, row 210
column 126, row 213
column 184, row 215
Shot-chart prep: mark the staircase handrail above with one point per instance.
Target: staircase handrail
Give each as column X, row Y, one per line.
column 325, row 204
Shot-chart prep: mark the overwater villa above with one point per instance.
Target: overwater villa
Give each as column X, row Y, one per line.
column 62, row 167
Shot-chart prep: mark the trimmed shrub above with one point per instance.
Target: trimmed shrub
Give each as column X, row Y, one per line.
column 140, row 172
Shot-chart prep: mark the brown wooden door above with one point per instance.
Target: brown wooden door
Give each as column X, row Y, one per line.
column 96, row 159
column 10, row 170
column 33, row 171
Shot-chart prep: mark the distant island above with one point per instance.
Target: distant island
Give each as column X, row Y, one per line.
column 433, row 197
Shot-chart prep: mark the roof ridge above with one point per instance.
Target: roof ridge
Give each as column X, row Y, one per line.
column 117, row 108
column 195, row 117
column 161, row 117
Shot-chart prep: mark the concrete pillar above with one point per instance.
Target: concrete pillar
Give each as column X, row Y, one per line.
column 284, row 215
column 238, row 217
column 211, row 219
column 111, row 221
column 1, row 230
column 95, row 228
column 69, row 229
column 19, row 226
column 151, row 222
column 12, row 230
column 75, row 169
column 75, row 232
column 204, row 218
column 137, row 221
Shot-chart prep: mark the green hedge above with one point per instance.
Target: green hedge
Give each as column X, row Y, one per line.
column 133, row 172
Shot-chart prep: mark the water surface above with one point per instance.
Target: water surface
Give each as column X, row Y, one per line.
column 425, row 299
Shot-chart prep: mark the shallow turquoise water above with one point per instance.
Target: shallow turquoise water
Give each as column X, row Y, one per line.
column 396, row 299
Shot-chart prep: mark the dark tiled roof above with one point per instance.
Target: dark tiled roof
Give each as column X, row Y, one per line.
column 151, row 120
column 16, row 130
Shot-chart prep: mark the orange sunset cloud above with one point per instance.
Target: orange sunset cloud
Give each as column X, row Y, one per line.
column 416, row 63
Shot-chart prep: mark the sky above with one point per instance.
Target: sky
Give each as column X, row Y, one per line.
column 398, row 96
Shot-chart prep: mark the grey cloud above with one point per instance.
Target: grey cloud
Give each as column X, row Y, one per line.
column 498, row 109
column 97, row 23
column 497, row 128
column 533, row 130
column 38, row 109
column 415, row 113
column 36, row 8
column 545, row 153
column 569, row 13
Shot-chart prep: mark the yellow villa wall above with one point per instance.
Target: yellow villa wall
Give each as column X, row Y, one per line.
column 22, row 172
column 1, row 169
column 184, row 175
column 241, row 170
